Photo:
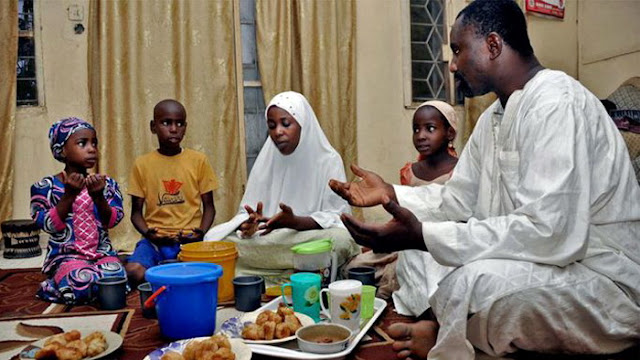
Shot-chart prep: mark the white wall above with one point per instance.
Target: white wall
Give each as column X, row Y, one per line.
column 609, row 38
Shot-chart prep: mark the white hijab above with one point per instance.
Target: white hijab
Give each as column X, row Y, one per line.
column 299, row 180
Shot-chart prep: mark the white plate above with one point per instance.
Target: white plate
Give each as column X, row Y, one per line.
column 252, row 316
column 240, row 349
column 114, row 341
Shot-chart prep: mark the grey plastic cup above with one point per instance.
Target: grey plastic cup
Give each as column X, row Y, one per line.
column 366, row 275
column 146, row 291
column 248, row 292
column 112, row 292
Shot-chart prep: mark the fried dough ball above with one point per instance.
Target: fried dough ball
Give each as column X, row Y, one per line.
column 268, row 315
column 269, row 325
column 253, row 332
column 48, row 351
column 189, row 351
column 72, row 335
column 96, row 345
column 293, row 321
column 65, row 353
column 58, row 338
column 222, row 341
column 220, row 354
column 196, row 350
column 94, row 335
column 284, row 310
column 71, row 346
column 172, row 355
column 79, row 345
column 282, row 331
column 269, row 330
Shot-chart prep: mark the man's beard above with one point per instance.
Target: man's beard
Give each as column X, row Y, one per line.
column 463, row 86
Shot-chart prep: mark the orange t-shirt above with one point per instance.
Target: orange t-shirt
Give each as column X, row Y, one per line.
column 172, row 187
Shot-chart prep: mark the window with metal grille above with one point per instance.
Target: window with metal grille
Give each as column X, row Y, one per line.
column 255, row 125
column 429, row 72
column 27, row 83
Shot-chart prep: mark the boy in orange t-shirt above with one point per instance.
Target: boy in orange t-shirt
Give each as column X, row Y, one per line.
column 175, row 187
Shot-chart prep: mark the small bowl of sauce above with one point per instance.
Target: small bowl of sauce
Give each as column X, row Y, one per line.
column 323, row 338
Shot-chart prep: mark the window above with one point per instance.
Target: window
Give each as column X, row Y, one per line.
column 254, row 124
column 27, row 84
column 428, row 70
column 426, row 53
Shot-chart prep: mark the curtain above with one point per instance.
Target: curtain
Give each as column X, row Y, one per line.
column 8, row 60
column 141, row 52
column 309, row 46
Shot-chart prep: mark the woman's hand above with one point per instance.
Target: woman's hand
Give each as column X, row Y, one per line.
column 250, row 226
column 284, row 219
column 95, row 184
column 367, row 192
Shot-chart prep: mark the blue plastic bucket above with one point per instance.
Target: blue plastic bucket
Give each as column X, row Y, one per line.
column 186, row 298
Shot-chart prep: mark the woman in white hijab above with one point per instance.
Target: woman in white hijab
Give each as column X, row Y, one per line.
column 288, row 188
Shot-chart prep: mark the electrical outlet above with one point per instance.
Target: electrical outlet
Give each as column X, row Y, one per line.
column 75, row 12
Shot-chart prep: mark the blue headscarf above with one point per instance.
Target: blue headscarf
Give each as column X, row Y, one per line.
column 60, row 133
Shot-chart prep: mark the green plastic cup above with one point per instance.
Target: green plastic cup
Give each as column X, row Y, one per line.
column 368, row 294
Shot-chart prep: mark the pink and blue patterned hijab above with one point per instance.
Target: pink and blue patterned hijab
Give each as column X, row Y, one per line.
column 60, row 133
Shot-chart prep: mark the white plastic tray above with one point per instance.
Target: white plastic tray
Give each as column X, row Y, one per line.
column 289, row 350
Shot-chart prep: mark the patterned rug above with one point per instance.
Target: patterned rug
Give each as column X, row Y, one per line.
column 18, row 301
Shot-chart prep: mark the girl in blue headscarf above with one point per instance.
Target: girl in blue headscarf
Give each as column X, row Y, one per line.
column 76, row 208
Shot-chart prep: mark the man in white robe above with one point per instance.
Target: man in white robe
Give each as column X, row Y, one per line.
column 541, row 218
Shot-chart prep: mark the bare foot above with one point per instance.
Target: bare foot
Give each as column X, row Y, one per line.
column 413, row 341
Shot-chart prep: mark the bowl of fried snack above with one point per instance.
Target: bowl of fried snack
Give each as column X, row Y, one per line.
column 274, row 326
column 323, row 338
column 72, row 346
column 216, row 347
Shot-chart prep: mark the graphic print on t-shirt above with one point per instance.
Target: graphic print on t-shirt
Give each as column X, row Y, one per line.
column 172, row 193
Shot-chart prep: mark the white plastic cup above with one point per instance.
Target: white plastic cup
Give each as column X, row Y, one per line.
column 345, row 298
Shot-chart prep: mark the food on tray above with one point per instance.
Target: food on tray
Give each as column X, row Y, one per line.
column 216, row 347
column 172, row 355
column 96, row 343
column 271, row 325
column 63, row 338
column 324, row 340
column 71, row 346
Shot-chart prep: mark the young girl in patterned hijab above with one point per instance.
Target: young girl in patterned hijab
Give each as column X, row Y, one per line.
column 76, row 208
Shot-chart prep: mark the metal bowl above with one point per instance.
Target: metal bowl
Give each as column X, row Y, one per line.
column 323, row 338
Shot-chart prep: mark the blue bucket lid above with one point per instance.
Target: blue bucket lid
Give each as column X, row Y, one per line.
column 183, row 273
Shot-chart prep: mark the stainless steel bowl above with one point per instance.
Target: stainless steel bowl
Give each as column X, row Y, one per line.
column 323, row 338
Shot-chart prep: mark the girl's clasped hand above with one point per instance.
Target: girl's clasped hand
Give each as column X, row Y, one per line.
column 75, row 182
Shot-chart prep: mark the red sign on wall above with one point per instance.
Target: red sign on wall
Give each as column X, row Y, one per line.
column 553, row 8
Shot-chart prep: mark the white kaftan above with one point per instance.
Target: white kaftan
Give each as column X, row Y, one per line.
column 541, row 219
